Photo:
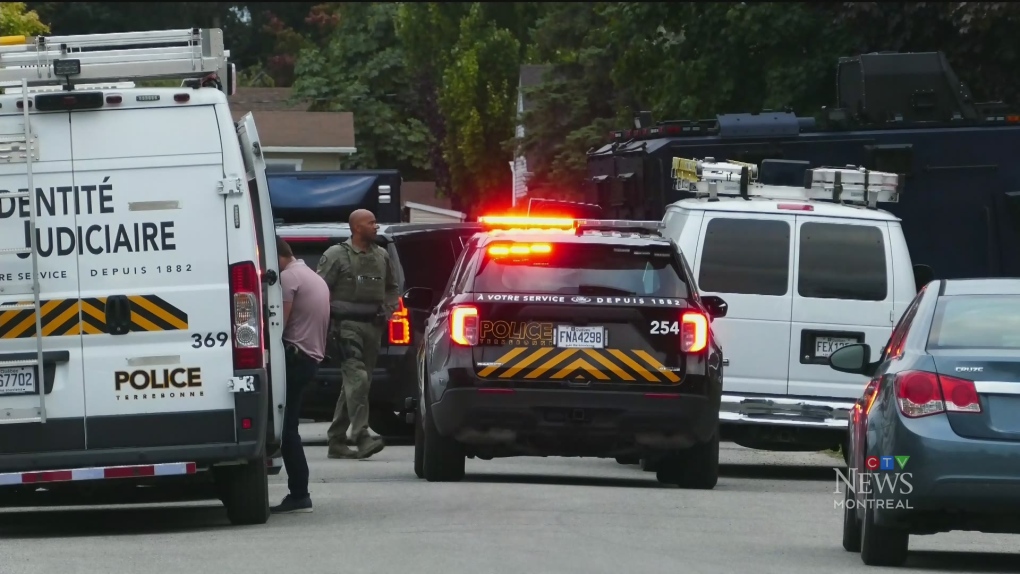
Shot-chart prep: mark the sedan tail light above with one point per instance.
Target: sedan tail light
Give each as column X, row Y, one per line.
column 922, row 394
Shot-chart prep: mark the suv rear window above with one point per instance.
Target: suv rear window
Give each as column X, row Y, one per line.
column 976, row 322
column 585, row 269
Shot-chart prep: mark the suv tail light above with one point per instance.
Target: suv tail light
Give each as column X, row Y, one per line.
column 693, row 332
column 399, row 327
column 246, row 315
column 464, row 325
column 922, row 394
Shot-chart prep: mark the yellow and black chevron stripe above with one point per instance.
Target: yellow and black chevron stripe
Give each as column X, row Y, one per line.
column 59, row 317
column 148, row 313
column 87, row 316
column 604, row 365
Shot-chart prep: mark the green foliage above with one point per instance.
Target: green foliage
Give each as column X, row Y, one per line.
column 361, row 69
column 16, row 19
column 478, row 102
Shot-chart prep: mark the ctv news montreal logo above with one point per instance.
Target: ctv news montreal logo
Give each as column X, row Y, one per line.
column 882, row 484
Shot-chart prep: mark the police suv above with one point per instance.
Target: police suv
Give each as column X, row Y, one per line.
column 574, row 338
column 139, row 303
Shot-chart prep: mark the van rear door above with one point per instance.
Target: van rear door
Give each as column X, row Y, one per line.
column 843, row 294
column 57, row 200
column 153, row 271
column 272, row 290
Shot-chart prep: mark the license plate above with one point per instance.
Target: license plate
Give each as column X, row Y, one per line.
column 17, row 380
column 571, row 337
column 825, row 346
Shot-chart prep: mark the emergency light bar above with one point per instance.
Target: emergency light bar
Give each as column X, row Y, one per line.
column 855, row 185
column 567, row 224
column 99, row 58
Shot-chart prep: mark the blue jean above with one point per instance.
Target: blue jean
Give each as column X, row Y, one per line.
column 300, row 370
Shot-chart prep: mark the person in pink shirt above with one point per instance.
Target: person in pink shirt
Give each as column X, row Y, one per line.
column 306, row 321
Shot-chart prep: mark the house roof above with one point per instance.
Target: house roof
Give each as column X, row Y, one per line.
column 423, row 193
column 283, row 123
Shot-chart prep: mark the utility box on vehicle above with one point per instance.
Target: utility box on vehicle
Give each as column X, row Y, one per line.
column 139, row 298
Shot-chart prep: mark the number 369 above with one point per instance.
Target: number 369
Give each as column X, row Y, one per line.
column 665, row 328
column 209, row 339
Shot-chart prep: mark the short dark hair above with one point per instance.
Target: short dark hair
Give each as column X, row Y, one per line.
column 283, row 248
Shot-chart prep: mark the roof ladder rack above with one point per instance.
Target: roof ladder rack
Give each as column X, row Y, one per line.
column 34, row 365
column 852, row 184
column 196, row 53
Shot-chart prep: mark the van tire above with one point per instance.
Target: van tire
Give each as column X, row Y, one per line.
column 444, row 457
column 246, row 492
column 695, row 468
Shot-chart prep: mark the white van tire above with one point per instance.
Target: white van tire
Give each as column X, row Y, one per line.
column 246, row 492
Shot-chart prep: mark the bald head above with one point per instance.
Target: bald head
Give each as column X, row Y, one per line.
column 363, row 227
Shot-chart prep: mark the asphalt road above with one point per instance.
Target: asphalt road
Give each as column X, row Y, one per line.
column 772, row 512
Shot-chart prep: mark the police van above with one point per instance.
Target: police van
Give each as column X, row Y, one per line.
column 140, row 308
column 804, row 270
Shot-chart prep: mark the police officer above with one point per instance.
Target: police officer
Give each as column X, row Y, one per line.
column 363, row 295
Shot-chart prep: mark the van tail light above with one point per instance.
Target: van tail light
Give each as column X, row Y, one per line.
column 693, row 332
column 922, row 394
column 246, row 315
column 399, row 327
column 464, row 325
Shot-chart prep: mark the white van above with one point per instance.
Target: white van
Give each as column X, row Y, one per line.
column 802, row 277
column 150, row 294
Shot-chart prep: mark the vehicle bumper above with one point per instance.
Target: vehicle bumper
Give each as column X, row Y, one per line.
column 831, row 414
column 949, row 475
column 571, row 422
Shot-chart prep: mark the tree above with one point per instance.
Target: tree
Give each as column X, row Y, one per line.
column 16, row 19
column 362, row 69
column 478, row 104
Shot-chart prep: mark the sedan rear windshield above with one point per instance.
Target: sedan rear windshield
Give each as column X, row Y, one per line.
column 584, row 269
column 977, row 322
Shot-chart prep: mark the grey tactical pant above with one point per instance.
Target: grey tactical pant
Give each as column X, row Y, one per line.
column 360, row 344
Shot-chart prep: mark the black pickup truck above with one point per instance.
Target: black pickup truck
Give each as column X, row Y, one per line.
column 425, row 254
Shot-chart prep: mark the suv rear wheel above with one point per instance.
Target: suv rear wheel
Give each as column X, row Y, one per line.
column 694, row 468
column 444, row 459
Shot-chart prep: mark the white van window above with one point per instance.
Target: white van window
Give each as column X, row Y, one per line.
column 746, row 256
column 840, row 261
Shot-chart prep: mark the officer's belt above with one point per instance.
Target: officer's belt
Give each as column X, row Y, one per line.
column 347, row 311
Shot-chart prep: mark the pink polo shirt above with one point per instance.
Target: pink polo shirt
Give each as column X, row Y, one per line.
column 309, row 313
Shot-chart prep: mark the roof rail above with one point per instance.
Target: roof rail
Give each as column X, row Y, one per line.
column 619, row 226
column 852, row 184
column 195, row 53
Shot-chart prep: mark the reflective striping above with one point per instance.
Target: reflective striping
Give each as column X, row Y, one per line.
column 501, row 361
column 98, row 473
column 633, row 365
column 659, row 367
column 87, row 316
column 605, row 365
column 526, row 362
column 59, row 318
column 550, row 363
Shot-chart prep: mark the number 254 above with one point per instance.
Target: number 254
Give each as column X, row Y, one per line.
column 665, row 327
column 209, row 339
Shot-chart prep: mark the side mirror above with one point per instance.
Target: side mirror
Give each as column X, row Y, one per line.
column 419, row 298
column 715, row 305
column 923, row 275
column 853, row 359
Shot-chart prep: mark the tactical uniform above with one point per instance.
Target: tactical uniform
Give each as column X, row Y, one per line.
column 363, row 295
